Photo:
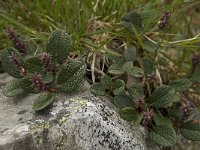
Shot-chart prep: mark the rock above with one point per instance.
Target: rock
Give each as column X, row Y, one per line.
column 77, row 121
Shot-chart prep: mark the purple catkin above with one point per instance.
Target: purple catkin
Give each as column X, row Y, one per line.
column 17, row 43
column 147, row 116
column 140, row 102
column 17, row 62
column 47, row 62
column 163, row 21
column 37, row 83
column 186, row 109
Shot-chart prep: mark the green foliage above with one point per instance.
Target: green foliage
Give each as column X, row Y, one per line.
column 12, row 88
column 44, row 73
column 191, row 130
column 181, row 84
column 44, row 100
column 123, row 101
column 162, row 96
column 13, row 66
column 132, row 21
column 130, row 53
column 129, row 113
column 163, row 135
column 59, row 45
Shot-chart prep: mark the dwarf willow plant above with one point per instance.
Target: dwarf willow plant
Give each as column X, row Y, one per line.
column 135, row 83
column 46, row 73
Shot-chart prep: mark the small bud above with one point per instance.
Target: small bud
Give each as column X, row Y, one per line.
column 140, row 102
column 37, row 83
column 47, row 62
column 195, row 60
column 186, row 109
column 163, row 21
column 17, row 62
column 147, row 116
column 17, row 43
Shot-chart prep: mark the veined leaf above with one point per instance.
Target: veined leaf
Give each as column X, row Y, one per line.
column 129, row 114
column 43, row 101
column 162, row 96
column 163, row 135
column 191, row 130
column 181, row 84
column 12, row 88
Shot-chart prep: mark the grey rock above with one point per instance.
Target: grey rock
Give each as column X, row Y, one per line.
column 76, row 121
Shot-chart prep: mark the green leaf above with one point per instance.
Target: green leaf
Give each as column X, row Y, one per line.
column 59, row 45
column 106, row 81
column 122, row 101
column 195, row 77
column 44, row 100
column 181, row 84
column 163, row 135
column 136, row 91
column 115, row 69
column 130, row 53
column 129, row 114
column 148, row 66
column 132, row 20
column 12, row 88
column 177, row 113
column 150, row 46
column 33, row 64
column 191, row 130
column 160, row 120
column 127, row 66
column 136, row 72
column 26, row 85
column 71, row 76
column 8, row 65
column 118, row 87
column 98, row 89
column 162, row 96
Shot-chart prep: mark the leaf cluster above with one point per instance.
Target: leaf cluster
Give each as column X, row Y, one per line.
column 46, row 73
column 142, row 96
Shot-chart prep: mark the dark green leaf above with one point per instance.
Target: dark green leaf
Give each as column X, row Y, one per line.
column 71, row 76
column 136, row 72
column 162, row 96
column 191, row 130
column 163, row 135
column 136, row 91
column 127, row 66
column 122, row 101
column 132, row 21
column 12, row 88
column 118, row 87
column 148, row 66
column 115, row 69
column 160, row 120
column 150, row 46
column 43, row 101
column 181, row 84
column 33, row 64
column 129, row 113
column 59, row 45
column 98, row 89
column 106, row 81
column 8, row 65
column 130, row 53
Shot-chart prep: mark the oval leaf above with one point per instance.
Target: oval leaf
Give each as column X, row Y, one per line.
column 162, row 96
column 181, row 84
column 43, row 101
column 163, row 135
column 12, row 88
column 129, row 114
column 59, row 45
column 130, row 53
column 122, row 101
column 191, row 130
